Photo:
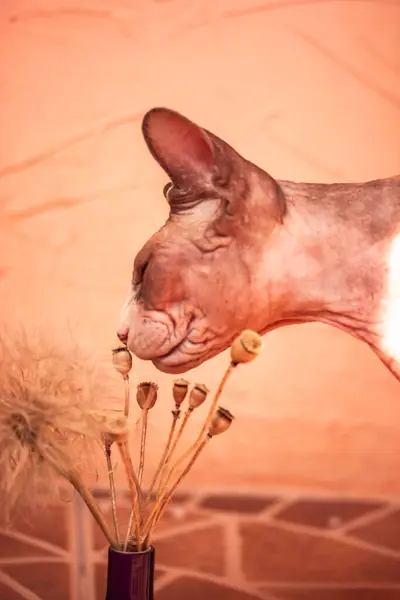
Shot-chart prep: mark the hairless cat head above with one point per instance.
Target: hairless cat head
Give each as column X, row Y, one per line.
column 196, row 283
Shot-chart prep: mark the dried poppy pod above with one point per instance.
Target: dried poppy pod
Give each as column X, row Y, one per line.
column 146, row 394
column 197, row 395
column 179, row 391
column 122, row 360
column 246, row 347
column 222, row 420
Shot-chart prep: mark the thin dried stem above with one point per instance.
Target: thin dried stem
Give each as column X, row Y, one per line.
column 126, row 395
column 132, row 516
column 165, row 500
column 194, row 447
column 143, row 444
column 175, row 416
column 135, row 491
column 87, row 496
column 162, row 483
column 112, row 491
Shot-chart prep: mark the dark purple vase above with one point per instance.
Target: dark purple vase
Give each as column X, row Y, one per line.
column 130, row 575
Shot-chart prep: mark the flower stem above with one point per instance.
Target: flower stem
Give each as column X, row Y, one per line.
column 87, row 496
column 112, row 491
column 165, row 500
column 194, row 447
column 143, row 444
column 161, row 464
column 135, row 491
column 126, row 395
column 163, row 483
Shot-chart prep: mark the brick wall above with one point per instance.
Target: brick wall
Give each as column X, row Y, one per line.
column 309, row 90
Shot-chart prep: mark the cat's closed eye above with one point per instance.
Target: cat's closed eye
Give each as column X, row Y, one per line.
column 139, row 273
column 166, row 189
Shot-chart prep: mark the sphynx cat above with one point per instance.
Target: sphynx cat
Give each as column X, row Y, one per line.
column 241, row 250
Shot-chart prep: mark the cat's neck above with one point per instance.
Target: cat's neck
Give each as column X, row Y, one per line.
column 333, row 261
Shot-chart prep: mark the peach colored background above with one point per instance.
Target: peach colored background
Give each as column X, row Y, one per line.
column 308, row 90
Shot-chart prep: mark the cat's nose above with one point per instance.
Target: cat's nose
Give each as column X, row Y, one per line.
column 123, row 334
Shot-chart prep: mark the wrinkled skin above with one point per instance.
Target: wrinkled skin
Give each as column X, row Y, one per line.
column 241, row 250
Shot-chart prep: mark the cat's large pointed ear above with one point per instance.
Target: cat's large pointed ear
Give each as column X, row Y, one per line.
column 182, row 148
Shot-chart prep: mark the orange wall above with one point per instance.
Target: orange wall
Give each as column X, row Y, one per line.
column 309, row 90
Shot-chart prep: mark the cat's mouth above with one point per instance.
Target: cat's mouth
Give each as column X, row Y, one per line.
column 176, row 361
column 186, row 356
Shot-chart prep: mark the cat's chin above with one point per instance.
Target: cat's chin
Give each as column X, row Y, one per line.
column 174, row 365
column 177, row 361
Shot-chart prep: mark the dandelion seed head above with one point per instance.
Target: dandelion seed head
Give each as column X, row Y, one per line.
column 53, row 403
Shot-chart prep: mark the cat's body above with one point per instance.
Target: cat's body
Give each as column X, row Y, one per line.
column 241, row 250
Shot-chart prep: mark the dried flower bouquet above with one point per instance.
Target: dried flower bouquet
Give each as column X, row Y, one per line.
column 55, row 409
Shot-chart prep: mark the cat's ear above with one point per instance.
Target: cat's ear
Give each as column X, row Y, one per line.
column 183, row 149
column 199, row 161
